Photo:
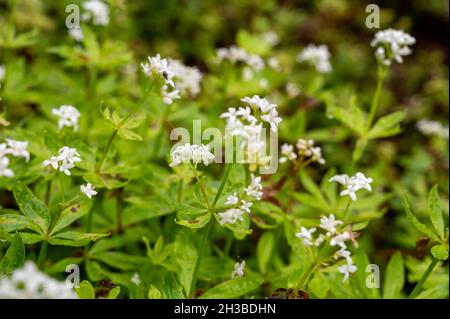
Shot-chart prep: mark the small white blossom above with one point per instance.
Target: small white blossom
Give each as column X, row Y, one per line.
column 238, row 269
column 232, row 199
column 168, row 97
column 188, row 78
column 343, row 253
column 306, row 235
column 18, row 148
column 76, row 34
column 4, row 170
column 392, row 45
column 271, row 37
column 231, row 216
column 347, row 269
column 330, row 224
column 340, row 239
column 159, row 68
column 292, row 90
column 429, row 127
column 259, row 103
column 136, row 279
column 88, row 190
column 67, row 116
column 245, row 206
column 318, row 56
column 188, row 153
column 65, row 160
column 30, row 283
column 352, row 183
column 288, row 153
column 236, row 54
column 306, row 148
column 273, row 119
column 255, row 187
column 97, row 11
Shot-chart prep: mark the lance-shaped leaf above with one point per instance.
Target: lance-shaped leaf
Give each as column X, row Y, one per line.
column 434, row 206
column 32, row 207
column 15, row 222
column 416, row 223
column 75, row 239
column 395, row 277
column 387, row 125
column 14, row 256
column 234, row 288
column 71, row 214
column 196, row 222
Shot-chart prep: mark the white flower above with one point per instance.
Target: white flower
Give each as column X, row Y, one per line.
column 306, row 148
column 429, row 127
column 330, row 224
column 236, row 54
column 4, row 170
column 18, row 148
column 347, row 269
column 245, row 206
column 157, row 67
column 2, row 72
column 232, row 199
column 255, row 187
column 67, row 156
column 67, row 116
column 30, row 283
column 306, row 235
column 168, row 97
column 318, row 56
column 231, row 216
column 292, row 90
column 76, row 34
column 340, row 239
column 273, row 119
column 136, row 279
column 188, row 78
column 259, row 103
column 392, row 45
column 88, row 190
column 3, row 149
column 238, row 269
column 274, row 64
column 288, row 151
column 191, row 153
column 353, row 183
column 97, row 11
column 343, row 253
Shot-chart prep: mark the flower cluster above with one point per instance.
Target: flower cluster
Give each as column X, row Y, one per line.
column 14, row 148
column 392, row 45
column 429, row 127
column 187, row 78
column 235, row 54
column 241, row 204
column 30, row 283
column 68, row 116
column 97, row 11
column 317, row 56
column 238, row 269
column 76, row 34
column 66, row 159
column 188, row 153
column 305, row 149
column 88, row 190
column 158, row 68
column 353, row 183
column 333, row 235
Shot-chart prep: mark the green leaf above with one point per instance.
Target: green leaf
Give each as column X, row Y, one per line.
column 75, row 239
column 440, row 251
column 197, row 222
column 186, row 255
column 85, row 291
column 395, row 277
column 387, row 125
column 434, row 206
column 120, row 260
column 153, row 293
column 171, row 288
column 14, row 256
column 416, row 223
column 319, row 285
column 32, row 207
column 114, row 293
column 264, row 250
column 234, row 288
column 14, row 222
column 71, row 214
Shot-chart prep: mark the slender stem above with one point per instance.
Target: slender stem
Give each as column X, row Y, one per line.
column 42, row 253
column 376, row 98
column 47, row 192
column 180, row 190
column 305, row 278
column 105, row 152
column 119, row 212
column 202, row 187
column 200, row 255
column 159, row 136
column 226, row 174
column 62, row 186
column 347, row 210
column 422, row 280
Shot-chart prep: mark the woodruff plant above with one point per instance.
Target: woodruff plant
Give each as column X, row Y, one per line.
column 89, row 179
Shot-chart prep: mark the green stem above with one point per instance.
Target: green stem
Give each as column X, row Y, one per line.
column 226, row 174
column 200, row 255
column 105, row 152
column 376, row 98
column 119, row 212
column 347, row 210
column 42, row 253
column 422, row 280
column 160, row 132
column 62, row 186
column 202, row 187
column 180, row 190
